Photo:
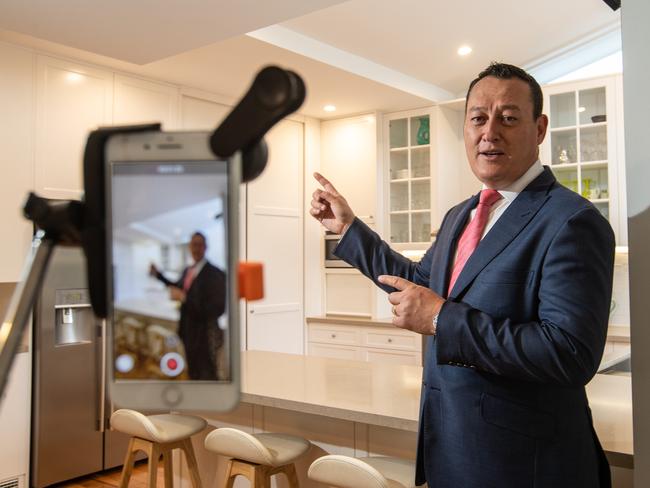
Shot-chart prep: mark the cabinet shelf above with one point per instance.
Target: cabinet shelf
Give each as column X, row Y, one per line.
column 581, row 126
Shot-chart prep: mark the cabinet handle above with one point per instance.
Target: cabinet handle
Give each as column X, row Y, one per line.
column 390, row 340
column 252, row 312
column 333, row 336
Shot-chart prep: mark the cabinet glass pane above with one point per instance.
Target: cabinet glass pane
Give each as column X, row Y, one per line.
column 567, row 177
column 603, row 207
column 592, row 107
column 398, row 130
column 593, row 143
column 420, row 167
column 595, row 184
column 563, row 147
column 420, row 130
column 421, row 227
column 563, row 110
column 399, row 196
column 421, row 194
column 399, row 228
column 399, row 163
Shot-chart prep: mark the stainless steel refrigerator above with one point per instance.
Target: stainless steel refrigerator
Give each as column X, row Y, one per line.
column 70, row 404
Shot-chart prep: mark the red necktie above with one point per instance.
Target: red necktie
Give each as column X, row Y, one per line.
column 189, row 277
column 473, row 232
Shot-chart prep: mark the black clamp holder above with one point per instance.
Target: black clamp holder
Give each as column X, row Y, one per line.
column 274, row 94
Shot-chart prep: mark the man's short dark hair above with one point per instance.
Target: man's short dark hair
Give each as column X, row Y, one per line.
column 201, row 235
column 506, row 72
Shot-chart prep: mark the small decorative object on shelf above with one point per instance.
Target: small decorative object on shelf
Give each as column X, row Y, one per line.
column 594, row 193
column 598, row 118
column 423, row 131
column 563, row 158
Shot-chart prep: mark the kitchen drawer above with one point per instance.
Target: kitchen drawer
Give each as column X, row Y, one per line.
column 332, row 334
column 391, row 356
column 392, row 338
column 338, row 352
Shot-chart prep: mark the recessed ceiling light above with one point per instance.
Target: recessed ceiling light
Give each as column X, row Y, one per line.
column 74, row 77
column 464, row 50
column 329, row 108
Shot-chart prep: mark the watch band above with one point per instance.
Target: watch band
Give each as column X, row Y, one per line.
column 435, row 323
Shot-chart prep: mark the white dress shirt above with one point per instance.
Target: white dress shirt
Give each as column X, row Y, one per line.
column 509, row 194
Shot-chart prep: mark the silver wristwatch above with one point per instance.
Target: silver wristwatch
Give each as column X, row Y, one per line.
column 435, row 322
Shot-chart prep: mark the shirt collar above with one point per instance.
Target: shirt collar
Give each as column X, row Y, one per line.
column 198, row 266
column 511, row 191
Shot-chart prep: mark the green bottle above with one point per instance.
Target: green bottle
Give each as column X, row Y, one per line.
column 422, row 136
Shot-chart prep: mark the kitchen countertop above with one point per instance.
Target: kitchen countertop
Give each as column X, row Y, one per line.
column 615, row 333
column 388, row 395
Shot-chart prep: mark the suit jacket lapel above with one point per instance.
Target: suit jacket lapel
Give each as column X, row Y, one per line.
column 509, row 225
column 440, row 269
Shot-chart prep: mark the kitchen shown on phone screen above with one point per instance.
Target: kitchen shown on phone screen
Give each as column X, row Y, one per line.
column 169, row 253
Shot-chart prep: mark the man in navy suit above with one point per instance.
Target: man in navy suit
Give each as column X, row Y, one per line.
column 201, row 289
column 513, row 298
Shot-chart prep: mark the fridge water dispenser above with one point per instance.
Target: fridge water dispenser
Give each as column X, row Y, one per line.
column 75, row 321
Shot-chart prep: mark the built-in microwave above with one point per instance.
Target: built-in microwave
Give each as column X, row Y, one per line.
column 331, row 261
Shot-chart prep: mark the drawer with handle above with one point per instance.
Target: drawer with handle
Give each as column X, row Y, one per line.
column 334, row 334
column 392, row 339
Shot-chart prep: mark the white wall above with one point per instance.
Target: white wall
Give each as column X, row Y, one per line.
column 636, row 65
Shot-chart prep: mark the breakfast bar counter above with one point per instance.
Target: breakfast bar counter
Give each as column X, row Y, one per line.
column 361, row 408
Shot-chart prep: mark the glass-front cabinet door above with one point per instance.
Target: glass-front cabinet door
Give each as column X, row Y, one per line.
column 580, row 145
column 409, row 178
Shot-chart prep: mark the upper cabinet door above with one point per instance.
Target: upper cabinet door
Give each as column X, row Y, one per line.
column 16, row 158
column 71, row 100
column 201, row 114
column 139, row 101
column 349, row 161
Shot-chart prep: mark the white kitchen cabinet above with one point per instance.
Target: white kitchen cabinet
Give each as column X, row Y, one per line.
column 200, row 112
column 409, row 176
column 364, row 342
column 583, row 146
column 348, row 292
column 71, row 100
column 140, row 101
column 349, row 161
column 16, row 157
column 15, row 422
column 275, row 238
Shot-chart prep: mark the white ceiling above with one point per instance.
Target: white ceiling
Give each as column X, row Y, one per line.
column 361, row 55
column 142, row 31
column 421, row 38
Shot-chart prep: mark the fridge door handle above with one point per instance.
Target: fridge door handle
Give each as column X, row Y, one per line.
column 102, row 381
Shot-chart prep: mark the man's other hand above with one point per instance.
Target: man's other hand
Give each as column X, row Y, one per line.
column 330, row 208
column 176, row 293
column 414, row 306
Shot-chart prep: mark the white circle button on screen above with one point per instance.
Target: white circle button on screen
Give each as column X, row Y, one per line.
column 124, row 363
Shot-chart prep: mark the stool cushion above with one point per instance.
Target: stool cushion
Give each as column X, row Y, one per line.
column 156, row 428
column 371, row 472
column 267, row 449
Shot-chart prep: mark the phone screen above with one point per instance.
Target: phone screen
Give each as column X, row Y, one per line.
column 169, row 246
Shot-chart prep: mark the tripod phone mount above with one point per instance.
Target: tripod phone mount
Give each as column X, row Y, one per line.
column 274, row 94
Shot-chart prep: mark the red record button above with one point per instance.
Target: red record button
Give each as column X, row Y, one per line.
column 172, row 364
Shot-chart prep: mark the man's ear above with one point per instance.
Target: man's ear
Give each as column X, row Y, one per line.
column 542, row 125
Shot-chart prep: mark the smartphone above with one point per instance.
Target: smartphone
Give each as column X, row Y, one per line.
column 172, row 254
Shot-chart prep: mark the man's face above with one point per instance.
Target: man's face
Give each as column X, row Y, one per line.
column 197, row 248
column 501, row 135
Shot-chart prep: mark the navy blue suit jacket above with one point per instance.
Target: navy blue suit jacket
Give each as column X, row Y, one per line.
column 503, row 401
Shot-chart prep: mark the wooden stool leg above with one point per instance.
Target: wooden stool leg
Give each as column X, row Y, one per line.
column 154, row 456
column 129, row 460
column 192, row 465
column 230, row 477
column 290, row 472
column 167, row 466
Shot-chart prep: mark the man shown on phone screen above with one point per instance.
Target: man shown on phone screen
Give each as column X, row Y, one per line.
column 201, row 290
column 513, row 298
